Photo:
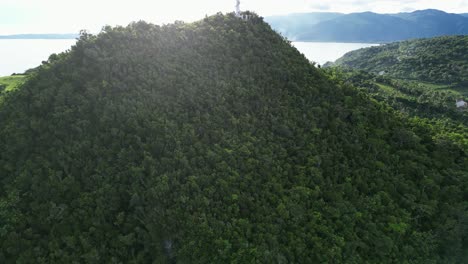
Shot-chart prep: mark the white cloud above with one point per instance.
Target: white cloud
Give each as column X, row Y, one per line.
column 46, row 16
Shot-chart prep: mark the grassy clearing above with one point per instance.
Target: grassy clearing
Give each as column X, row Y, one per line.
column 9, row 83
column 391, row 90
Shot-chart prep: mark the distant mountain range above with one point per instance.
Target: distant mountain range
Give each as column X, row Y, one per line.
column 40, row 36
column 369, row 27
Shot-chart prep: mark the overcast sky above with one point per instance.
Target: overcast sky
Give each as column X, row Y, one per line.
column 65, row 16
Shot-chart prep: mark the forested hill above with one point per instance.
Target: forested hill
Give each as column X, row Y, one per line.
column 439, row 60
column 217, row 142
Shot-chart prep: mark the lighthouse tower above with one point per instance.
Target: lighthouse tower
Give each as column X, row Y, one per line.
column 238, row 13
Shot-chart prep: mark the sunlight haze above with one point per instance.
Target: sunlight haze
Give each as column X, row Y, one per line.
column 55, row 16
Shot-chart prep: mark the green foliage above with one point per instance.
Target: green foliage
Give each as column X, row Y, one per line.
column 433, row 105
column 9, row 83
column 217, row 142
column 441, row 60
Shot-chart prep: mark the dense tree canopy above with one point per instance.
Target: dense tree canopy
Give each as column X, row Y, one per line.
column 217, row 142
column 437, row 60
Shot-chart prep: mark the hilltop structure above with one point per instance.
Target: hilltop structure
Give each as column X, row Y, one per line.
column 245, row 16
column 238, row 13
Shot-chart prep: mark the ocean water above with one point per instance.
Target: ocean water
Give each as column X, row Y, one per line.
column 19, row 55
column 321, row 52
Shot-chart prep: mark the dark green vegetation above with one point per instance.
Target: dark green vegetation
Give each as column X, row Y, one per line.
column 218, row 142
column 442, row 60
column 423, row 102
column 40, row 36
column 421, row 78
column 369, row 27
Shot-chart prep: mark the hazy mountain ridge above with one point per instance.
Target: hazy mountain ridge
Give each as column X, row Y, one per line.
column 372, row 27
column 292, row 24
column 217, row 142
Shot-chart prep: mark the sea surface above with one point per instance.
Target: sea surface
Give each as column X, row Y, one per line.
column 19, row 55
column 321, row 52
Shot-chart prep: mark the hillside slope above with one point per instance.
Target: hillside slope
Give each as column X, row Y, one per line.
column 217, row 142
column 422, row 102
column 9, row 84
column 438, row 60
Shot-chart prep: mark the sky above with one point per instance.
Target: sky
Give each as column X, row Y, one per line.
column 66, row 16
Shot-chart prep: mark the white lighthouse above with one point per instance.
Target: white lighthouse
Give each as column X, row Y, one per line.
column 238, row 14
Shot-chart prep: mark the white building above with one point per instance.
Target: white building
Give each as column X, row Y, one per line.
column 461, row 103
